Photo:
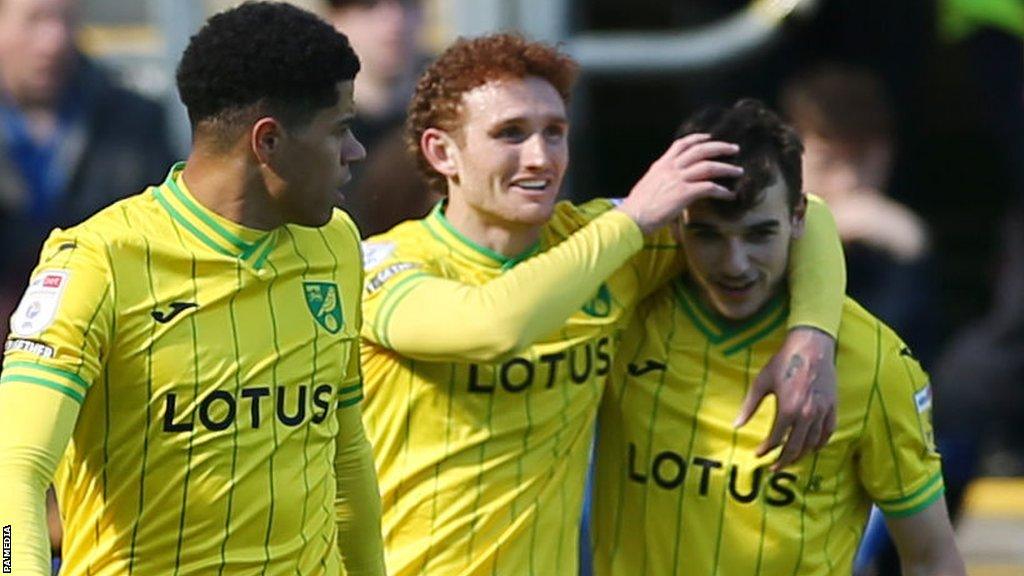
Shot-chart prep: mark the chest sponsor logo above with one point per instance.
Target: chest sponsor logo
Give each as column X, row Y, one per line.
column 669, row 470
column 374, row 253
column 251, row 408
column 324, row 304
column 39, row 305
column 578, row 365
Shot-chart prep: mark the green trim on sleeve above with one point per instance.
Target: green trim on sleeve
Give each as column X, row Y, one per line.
column 935, row 479
column 391, row 303
column 350, row 389
column 916, row 501
column 919, row 508
column 65, row 390
column 75, row 378
column 350, row 402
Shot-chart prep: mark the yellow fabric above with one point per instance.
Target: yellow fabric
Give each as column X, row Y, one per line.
column 482, row 464
column 678, row 489
column 419, row 291
column 202, row 433
column 817, row 272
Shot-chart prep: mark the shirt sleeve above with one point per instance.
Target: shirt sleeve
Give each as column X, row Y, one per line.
column 59, row 333
column 817, row 272
column 357, row 502
column 898, row 465
column 411, row 309
column 357, row 495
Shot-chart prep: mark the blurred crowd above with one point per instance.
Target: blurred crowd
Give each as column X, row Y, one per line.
column 912, row 115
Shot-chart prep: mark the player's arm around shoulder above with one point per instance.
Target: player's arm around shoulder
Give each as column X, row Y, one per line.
column 802, row 374
column 900, row 466
column 54, row 352
column 421, row 305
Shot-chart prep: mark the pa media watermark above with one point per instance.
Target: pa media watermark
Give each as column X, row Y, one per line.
column 7, row 549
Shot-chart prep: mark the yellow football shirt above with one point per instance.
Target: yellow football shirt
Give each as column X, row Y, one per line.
column 482, row 453
column 678, row 489
column 211, row 375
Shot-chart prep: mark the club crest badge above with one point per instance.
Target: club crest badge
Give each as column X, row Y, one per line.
column 324, row 304
column 600, row 306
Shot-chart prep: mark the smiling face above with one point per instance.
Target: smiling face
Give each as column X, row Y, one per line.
column 739, row 264
column 509, row 154
column 313, row 160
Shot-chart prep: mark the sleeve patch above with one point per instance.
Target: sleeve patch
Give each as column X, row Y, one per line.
column 29, row 346
column 923, row 399
column 378, row 280
column 375, row 253
column 38, row 307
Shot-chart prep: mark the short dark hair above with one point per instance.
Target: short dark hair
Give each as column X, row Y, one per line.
column 473, row 62
column 340, row 4
column 765, row 142
column 263, row 58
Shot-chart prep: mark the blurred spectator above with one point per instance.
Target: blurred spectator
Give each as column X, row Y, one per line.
column 71, row 141
column 391, row 188
column 385, row 35
column 847, row 124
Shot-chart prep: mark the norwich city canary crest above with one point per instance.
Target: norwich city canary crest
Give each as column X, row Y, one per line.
column 600, row 306
column 322, row 300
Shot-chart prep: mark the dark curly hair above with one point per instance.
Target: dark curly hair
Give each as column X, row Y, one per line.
column 467, row 64
column 765, row 142
column 262, row 58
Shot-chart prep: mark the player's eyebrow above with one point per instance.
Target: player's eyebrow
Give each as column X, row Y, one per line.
column 548, row 119
column 765, row 225
column 769, row 225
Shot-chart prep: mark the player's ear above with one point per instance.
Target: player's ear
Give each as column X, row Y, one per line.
column 441, row 151
column 799, row 216
column 265, row 139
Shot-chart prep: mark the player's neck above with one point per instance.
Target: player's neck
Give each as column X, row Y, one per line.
column 510, row 239
column 231, row 188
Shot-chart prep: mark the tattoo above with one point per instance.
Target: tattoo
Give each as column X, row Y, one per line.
column 795, row 364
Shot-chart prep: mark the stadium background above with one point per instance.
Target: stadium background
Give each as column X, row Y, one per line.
column 955, row 70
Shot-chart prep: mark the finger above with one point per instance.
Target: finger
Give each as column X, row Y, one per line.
column 776, row 435
column 795, row 444
column 705, row 150
column 827, row 429
column 752, row 401
column 694, row 192
column 813, row 440
column 710, row 170
column 683, row 144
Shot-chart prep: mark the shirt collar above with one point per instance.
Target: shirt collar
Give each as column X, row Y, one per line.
column 209, row 228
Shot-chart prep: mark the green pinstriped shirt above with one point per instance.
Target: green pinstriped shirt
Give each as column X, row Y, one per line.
column 208, row 361
column 680, row 491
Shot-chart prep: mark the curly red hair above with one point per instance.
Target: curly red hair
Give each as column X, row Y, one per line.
column 473, row 62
